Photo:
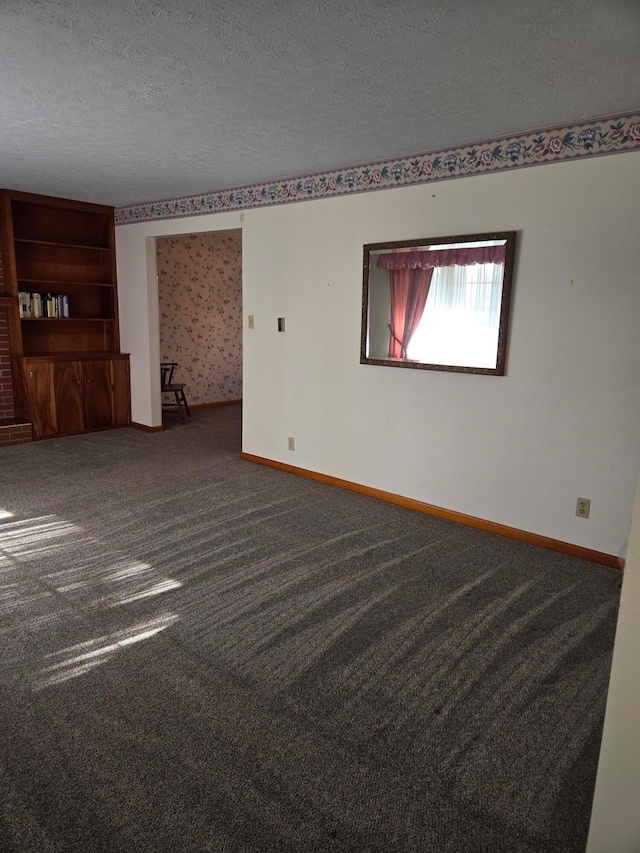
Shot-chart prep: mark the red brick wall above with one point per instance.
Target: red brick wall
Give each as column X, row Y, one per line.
column 7, row 410
column 10, row 431
column 6, row 384
column 15, row 434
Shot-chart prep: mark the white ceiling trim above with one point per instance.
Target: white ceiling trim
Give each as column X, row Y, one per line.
column 570, row 142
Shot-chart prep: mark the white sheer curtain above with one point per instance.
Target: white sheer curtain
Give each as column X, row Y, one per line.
column 461, row 318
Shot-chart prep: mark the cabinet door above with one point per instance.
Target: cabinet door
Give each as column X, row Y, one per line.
column 121, row 392
column 69, row 403
column 55, row 395
column 42, row 398
column 98, row 394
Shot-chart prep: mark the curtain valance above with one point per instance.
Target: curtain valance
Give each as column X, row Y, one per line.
column 421, row 259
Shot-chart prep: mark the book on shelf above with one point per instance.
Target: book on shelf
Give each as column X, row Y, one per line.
column 37, row 305
column 24, row 303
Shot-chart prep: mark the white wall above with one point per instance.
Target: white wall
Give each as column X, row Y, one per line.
column 615, row 819
column 517, row 449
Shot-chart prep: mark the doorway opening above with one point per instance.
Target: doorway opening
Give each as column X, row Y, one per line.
column 200, row 316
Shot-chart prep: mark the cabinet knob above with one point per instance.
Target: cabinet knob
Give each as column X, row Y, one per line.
column 89, row 381
column 31, row 373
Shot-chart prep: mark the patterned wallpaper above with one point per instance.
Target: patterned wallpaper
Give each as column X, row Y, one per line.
column 200, row 289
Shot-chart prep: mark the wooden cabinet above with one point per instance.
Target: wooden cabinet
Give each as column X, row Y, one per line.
column 69, row 374
column 62, row 395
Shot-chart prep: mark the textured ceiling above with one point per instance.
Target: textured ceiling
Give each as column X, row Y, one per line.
column 123, row 101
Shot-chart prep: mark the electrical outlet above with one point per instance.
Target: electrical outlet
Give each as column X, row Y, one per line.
column 291, row 443
column 251, row 322
column 583, row 506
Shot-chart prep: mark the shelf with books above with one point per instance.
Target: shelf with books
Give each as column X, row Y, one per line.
column 90, row 303
column 42, row 305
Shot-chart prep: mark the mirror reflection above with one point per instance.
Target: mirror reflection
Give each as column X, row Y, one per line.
column 438, row 304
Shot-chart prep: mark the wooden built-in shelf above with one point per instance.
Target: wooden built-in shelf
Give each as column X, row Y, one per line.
column 58, row 221
column 69, row 374
column 67, row 319
column 80, row 355
column 47, row 262
column 59, row 284
column 90, row 301
column 62, row 245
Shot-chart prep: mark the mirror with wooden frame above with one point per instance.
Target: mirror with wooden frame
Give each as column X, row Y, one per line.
column 438, row 304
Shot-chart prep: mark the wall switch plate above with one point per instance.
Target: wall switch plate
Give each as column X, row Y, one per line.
column 251, row 322
column 291, row 443
column 583, row 507
column 281, row 324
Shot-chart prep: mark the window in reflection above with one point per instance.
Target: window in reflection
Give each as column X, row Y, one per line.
column 461, row 318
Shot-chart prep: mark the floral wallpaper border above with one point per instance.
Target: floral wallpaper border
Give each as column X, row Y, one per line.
column 601, row 136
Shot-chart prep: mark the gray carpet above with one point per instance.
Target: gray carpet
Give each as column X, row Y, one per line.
column 202, row 654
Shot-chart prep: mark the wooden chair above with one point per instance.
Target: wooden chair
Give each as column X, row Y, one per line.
column 168, row 386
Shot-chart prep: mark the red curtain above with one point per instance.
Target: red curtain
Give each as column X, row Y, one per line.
column 409, row 291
